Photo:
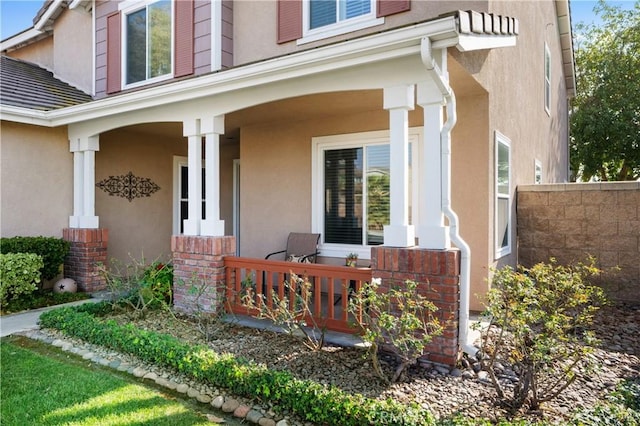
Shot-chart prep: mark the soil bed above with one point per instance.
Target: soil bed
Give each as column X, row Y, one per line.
column 442, row 390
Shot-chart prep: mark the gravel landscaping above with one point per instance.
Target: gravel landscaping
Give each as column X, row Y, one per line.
column 443, row 391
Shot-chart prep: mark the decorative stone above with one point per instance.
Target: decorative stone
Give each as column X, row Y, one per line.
column 215, row 419
column 65, row 285
column 192, row 393
column 182, row 388
column 254, row 416
column 265, row 421
column 230, row 405
column 139, row 372
column 217, row 401
column 241, row 411
column 204, row 398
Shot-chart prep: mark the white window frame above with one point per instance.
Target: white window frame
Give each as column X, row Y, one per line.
column 537, row 174
column 178, row 162
column 126, row 8
column 547, row 79
column 354, row 140
column 500, row 251
column 364, row 21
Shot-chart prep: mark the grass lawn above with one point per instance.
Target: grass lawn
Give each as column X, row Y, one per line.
column 44, row 386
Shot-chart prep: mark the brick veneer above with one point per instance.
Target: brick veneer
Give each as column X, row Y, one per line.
column 88, row 248
column 440, row 270
column 569, row 221
column 199, row 260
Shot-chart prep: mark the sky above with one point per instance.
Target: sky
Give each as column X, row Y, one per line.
column 17, row 15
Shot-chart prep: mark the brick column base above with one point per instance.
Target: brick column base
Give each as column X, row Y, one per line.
column 88, row 248
column 440, row 271
column 198, row 271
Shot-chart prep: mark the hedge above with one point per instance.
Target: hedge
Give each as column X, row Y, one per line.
column 19, row 274
column 310, row 400
column 53, row 251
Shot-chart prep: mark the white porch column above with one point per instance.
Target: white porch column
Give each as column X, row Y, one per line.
column 191, row 130
column 212, row 128
column 84, row 177
column 398, row 101
column 431, row 231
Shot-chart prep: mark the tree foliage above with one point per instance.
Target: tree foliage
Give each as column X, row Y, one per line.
column 605, row 122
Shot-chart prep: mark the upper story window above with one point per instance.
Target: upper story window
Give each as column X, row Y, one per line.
column 147, row 34
column 326, row 18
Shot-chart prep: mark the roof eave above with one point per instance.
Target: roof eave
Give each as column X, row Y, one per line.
column 565, row 32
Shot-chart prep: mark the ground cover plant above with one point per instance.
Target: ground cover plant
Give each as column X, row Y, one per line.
column 40, row 299
column 41, row 385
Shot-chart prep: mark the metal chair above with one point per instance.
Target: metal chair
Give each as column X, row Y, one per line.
column 301, row 247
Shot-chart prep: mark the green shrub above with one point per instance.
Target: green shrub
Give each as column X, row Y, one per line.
column 19, row 275
column 621, row 409
column 400, row 317
column 539, row 326
column 310, row 400
column 53, row 251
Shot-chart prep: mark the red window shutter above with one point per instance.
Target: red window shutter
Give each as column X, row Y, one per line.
column 389, row 7
column 184, row 38
column 114, row 56
column 289, row 20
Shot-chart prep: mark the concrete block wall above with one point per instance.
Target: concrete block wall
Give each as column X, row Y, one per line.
column 570, row 221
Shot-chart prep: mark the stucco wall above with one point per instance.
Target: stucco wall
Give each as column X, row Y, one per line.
column 36, row 180
column 570, row 221
column 254, row 42
column 72, row 49
column 276, row 178
column 39, row 53
column 144, row 226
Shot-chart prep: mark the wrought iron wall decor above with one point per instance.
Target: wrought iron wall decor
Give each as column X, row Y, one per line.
column 128, row 186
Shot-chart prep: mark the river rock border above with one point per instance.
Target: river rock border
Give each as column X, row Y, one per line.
column 240, row 408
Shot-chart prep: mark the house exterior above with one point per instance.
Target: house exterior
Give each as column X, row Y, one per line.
column 382, row 125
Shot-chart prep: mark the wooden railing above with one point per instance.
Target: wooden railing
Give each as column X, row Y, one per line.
column 331, row 287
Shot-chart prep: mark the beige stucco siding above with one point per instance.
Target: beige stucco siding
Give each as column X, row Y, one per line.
column 73, row 53
column 254, row 42
column 36, row 174
column 143, row 227
column 39, row 53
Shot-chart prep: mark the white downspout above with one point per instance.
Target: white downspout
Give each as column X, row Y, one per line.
column 445, row 182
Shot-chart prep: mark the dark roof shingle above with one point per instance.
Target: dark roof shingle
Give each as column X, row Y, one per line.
column 26, row 85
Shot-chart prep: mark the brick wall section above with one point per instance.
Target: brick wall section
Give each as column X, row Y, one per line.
column 570, row 221
column 199, row 261
column 88, row 248
column 440, row 270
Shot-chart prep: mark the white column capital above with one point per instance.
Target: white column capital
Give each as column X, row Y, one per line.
column 399, row 236
column 429, row 93
column 84, row 143
column 399, row 97
column 191, row 127
column 212, row 125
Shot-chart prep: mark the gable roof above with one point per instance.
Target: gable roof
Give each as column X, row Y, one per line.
column 26, row 85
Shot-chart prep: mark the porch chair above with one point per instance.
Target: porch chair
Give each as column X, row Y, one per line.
column 301, row 247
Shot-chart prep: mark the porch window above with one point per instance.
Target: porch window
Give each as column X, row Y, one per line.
column 147, row 35
column 503, row 196
column 181, row 194
column 351, row 203
column 327, row 18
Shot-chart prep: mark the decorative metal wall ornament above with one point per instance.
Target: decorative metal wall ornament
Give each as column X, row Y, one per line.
column 128, row 186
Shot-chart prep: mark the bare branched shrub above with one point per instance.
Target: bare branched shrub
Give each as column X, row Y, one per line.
column 539, row 321
column 292, row 312
column 400, row 318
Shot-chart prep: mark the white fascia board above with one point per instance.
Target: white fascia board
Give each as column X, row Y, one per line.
column 42, row 22
column 378, row 47
column 468, row 43
column 24, row 115
column 19, row 39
